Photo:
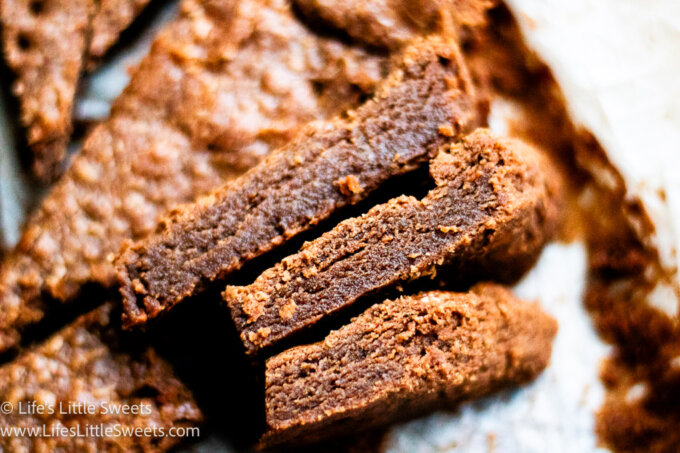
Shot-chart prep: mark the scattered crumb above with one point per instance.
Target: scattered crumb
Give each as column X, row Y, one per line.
column 286, row 312
column 449, row 229
column 349, row 186
column 252, row 306
column 491, row 442
column 310, row 272
column 138, row 286
column 446, row 130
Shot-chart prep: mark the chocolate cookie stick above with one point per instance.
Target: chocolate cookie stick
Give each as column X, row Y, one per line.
column 223, row 84
column 392, row 23
column 496, row 202
column 82, row 378
column 404, row 357
column 428, row 99
column 46, row 44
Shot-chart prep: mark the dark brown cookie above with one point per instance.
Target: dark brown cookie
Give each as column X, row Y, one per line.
column 391, row 23
column 428, row 99
column 113, row 16
column 87, row 377
column 494, row 207
column 223, row 84
column 404, row 357
column 46, row 43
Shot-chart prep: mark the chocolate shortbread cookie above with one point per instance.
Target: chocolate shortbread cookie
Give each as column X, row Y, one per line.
column 495, row 203
column 404, row 357
column 391, row 23
column 46, row 43
column 112, row 18
column 83, row 378
column 427, row 99
column 223, row 84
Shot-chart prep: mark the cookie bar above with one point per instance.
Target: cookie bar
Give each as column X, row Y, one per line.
column 428, row 99
column 112, row 18
column 83, row 377
column 403, row 357
column 392, row 23
column 46, row 45
column 228, row 97
column 495, row 202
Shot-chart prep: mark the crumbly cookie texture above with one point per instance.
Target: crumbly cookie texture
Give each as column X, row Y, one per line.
column 403, row 357
column 113, row 16
column 223, row 84
column 496, row 202
column 427, row 99
column 85, row 364
column 44, row 42
column 47, row 44
column 391, row 23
